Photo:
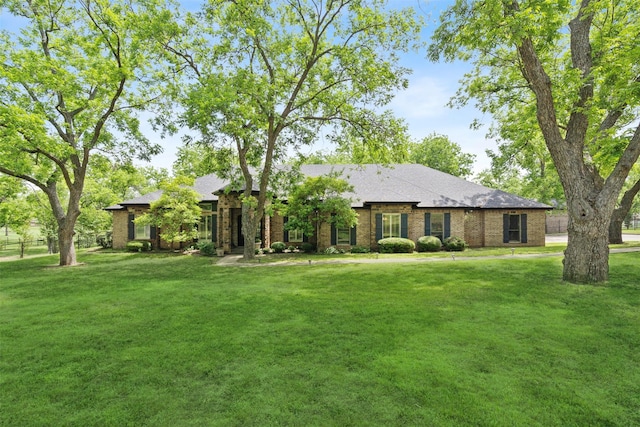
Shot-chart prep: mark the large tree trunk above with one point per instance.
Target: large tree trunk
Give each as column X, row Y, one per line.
column 620, row 213
column 249, row 230
column 67, row 250
column 587, row 255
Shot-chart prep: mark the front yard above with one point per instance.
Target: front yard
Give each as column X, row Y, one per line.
column 138, row 339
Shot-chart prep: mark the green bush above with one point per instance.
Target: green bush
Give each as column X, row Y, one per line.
column 396, row 245
column 332, row 250
column 429, row 244
column 360, row 250
column 278, row 247
column 455, row 244
column 105, row 240
column 138, row 246
column 207, row 248
column 308, row 247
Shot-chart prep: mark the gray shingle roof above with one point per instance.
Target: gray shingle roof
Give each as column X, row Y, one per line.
column 402, row 183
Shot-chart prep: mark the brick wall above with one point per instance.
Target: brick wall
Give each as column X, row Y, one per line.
column 494, row 228
column 120, row 229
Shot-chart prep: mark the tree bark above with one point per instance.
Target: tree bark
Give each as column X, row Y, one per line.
column 67, row 250
column 620, row 213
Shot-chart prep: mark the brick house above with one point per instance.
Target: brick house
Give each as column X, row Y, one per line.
column 401, row 200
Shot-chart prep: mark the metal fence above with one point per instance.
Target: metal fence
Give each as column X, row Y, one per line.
column 9, row 243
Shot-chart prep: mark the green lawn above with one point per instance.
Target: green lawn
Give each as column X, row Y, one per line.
column 162, row 340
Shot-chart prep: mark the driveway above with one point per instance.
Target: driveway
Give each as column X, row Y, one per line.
column 562, row 238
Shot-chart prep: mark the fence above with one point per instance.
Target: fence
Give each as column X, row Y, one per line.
column 9, row 243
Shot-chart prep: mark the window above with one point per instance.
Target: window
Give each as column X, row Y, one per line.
column 390, row 225
column 205, row 228
column 437, row 226
column 343, row 236
column 143, row 232
column 514, row 228
column 295, row 236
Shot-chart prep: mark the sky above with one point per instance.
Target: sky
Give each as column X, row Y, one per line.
column 422, row 105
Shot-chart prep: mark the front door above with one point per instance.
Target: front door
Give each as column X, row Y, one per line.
column 239, row 228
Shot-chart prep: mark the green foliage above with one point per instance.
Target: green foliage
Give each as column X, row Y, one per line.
column 396, row 245
column 138, row 246
column 439, row 152
column 278, row 247
column 454, row 243
column 332, row 250
column 175, row 212
column 360, row 250
column 316, row 201
column 207, row 248
column 105, row 240
column 428, row 244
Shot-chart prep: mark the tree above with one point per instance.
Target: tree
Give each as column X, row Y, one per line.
column 196, row 160
column 624, row 206
column 269, row 77
column 176, row 212
column 439, row 152
column 17, row 213
column 70, row 83
column 572, row 67
column 316, row 201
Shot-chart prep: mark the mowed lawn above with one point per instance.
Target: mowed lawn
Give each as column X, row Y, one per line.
column 159, row 340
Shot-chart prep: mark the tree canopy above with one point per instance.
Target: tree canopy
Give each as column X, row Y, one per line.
column 567, row 71
column 268, row 77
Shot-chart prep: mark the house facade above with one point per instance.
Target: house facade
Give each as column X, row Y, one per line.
column 396, row 201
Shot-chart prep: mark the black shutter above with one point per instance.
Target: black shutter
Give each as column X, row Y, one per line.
column 353, row 235
column 334, row 234
column 427, row 224
column 152, row 233
column 404, row 225
column 286, row 232
column 523, row 228
column 378, row 226
column 505, row 228
column 214, row 228
column 447, row 225
column 131, row 227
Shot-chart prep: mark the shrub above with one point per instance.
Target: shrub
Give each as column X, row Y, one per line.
column 278, row 247
column 207, row 248
column 138, row 246
column 308, row 247
column 332, row 250
column 396, row 245
column 429, row 244
column 454, row 243
column 360, row 250
column 292, row 248
column 105, row 240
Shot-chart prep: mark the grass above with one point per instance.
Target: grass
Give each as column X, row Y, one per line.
column 137, row 339
column 10, row 243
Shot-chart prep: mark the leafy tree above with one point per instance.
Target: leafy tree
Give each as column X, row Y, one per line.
column 198, row 160
column 439, row 152
column 175, row 212
column 71, row 79
column 17, row 213
column 316, row 201
column 570, row 69
column 269, row 77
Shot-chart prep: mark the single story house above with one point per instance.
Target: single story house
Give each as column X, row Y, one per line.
column 403, row 200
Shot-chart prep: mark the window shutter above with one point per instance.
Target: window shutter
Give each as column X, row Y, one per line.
column 378, row 226
column 353, row 235
column 447, row 225
column 286, row 232
column 523, row 228
column 214, row 228
column 131, row 227
column 305, row 238
column 404, row 225
column 334, row 234
column 152, row 232
column 427, row 224
column 505, row 228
